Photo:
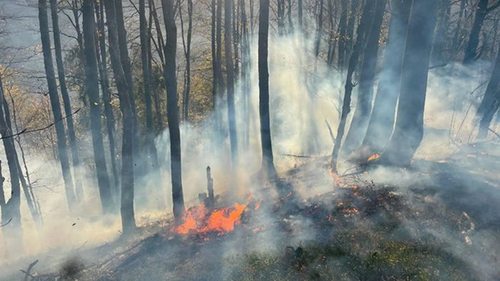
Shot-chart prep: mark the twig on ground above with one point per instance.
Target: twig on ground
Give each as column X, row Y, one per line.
column 28, row 271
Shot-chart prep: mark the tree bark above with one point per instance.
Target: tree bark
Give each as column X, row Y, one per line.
column 66, row 99
column 384, row 108
column 362, row 111
column 106, row 94
column 92, row 92
column 172, row 108
column 265, row 123
column 10, row 208
column 146, row 74
column 228, row 10
column 124, row 93
column 409, row 127
column 491, row 100
column 186, row 43
column 353, row 61
column 54, row 102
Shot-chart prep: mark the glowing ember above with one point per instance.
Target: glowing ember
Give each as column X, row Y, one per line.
column 199, row 220
column 374, row 157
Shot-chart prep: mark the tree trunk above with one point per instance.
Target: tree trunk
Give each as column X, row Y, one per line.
column 362, row 111
column 384, row 109
column 353, row 61
column 10, row 208
column 66, row 100
column 491, row 100
column 172, row 108
column 106, row 94
column 319, row 29
column 299, row 13
column 124, row 93
column 342, row 41
column 245, row 75
column 473, row 43
column 213, row 45
column 186, row 43
column 228, row 10
column 409, row 127
column 146, row 73
column 54, row 102
column 265, row 123
column 92, row 92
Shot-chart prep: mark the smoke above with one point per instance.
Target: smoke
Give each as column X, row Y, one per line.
column 305, row 96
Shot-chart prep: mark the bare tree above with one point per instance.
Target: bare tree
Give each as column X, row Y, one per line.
column 128, row 126
column 265, row 124
column 92, row 92
column 172, row 108
column 54, row 102
column 384, row 108
column 409, row 127
column 364, row 101
column 491, row 100
column 75, row 155
column 228, row 11
column 482, row 10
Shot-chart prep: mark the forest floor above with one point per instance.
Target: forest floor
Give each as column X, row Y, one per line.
column 439, row 220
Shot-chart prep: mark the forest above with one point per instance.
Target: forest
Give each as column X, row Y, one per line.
column 249, row 140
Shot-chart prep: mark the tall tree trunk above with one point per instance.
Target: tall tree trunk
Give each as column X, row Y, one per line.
column 362, row 31
column 172, row 108
column 106, row 94
column 218, row 67
column 92, row 92
column 473, row 42
column 384, row 109
column 300, row 13
column 54, row 102
column 66, row 100
column 409, row 127
column 159, row 48
column 319, row 29
column 491, row 100
column 124, row 94
column 362, row 111
column 265, row 123
column 186, row 43
column 146, row 73
column 439, row 50
column 33, row 206
column 213, row 45
column 342, row 34
column 331, row 36
column 76, row 19
column 228, row 10
column 349, row 37
column 245, row 74
column 10, row 208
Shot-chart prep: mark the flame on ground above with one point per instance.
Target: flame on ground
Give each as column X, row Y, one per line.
column 373, row 157
column 200, row 220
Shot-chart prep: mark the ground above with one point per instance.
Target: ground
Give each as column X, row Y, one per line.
column 438, row 220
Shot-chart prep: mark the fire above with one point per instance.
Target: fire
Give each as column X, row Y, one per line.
column 200, row 220
column 373, row 157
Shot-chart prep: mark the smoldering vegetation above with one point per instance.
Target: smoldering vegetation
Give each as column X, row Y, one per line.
column 437, row 219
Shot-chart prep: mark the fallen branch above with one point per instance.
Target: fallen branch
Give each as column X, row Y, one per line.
column 28, row 271
column 297, row 156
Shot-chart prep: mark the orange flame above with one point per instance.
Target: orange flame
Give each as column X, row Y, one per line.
column 199, row 220
column 373, row 157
